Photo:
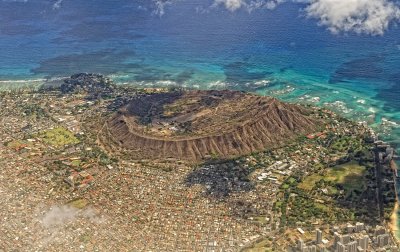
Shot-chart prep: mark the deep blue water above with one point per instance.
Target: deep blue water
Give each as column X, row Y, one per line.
column 357, row 75
column 301, row 61
column 277, row 52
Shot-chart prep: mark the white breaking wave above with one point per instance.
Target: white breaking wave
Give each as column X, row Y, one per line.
column 22, row 81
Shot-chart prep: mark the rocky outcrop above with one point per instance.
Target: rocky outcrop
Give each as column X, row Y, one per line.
column 223, row 124
column 87, row 82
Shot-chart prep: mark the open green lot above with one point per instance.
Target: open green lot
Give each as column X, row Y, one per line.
column 349, row 175
column 16, row 144
column 58, row 137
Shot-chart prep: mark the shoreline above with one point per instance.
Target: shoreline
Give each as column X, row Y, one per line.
column 393, row 224
column 393, row 221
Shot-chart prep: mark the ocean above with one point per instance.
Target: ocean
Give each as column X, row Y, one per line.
column 276, row 52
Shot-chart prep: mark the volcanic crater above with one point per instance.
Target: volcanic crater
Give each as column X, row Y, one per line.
column 196, row 125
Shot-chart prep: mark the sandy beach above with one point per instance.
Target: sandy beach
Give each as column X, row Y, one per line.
column 393, row 224
column 393, row 221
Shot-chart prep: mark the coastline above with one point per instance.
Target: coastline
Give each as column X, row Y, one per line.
column 393, row 224
column 393, row 221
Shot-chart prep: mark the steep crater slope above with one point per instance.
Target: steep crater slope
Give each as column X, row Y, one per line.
column 194, row 125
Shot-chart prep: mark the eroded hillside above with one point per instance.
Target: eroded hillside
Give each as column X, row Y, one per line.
column 194, row 125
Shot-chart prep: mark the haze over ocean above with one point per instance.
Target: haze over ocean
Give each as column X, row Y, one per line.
column 272, row 50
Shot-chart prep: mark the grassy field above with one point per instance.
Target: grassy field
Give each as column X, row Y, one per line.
column 58, row 137
column 261, row 246
column 78, row 203
column 349, row 175
column 76, row 163
column 18, row 144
